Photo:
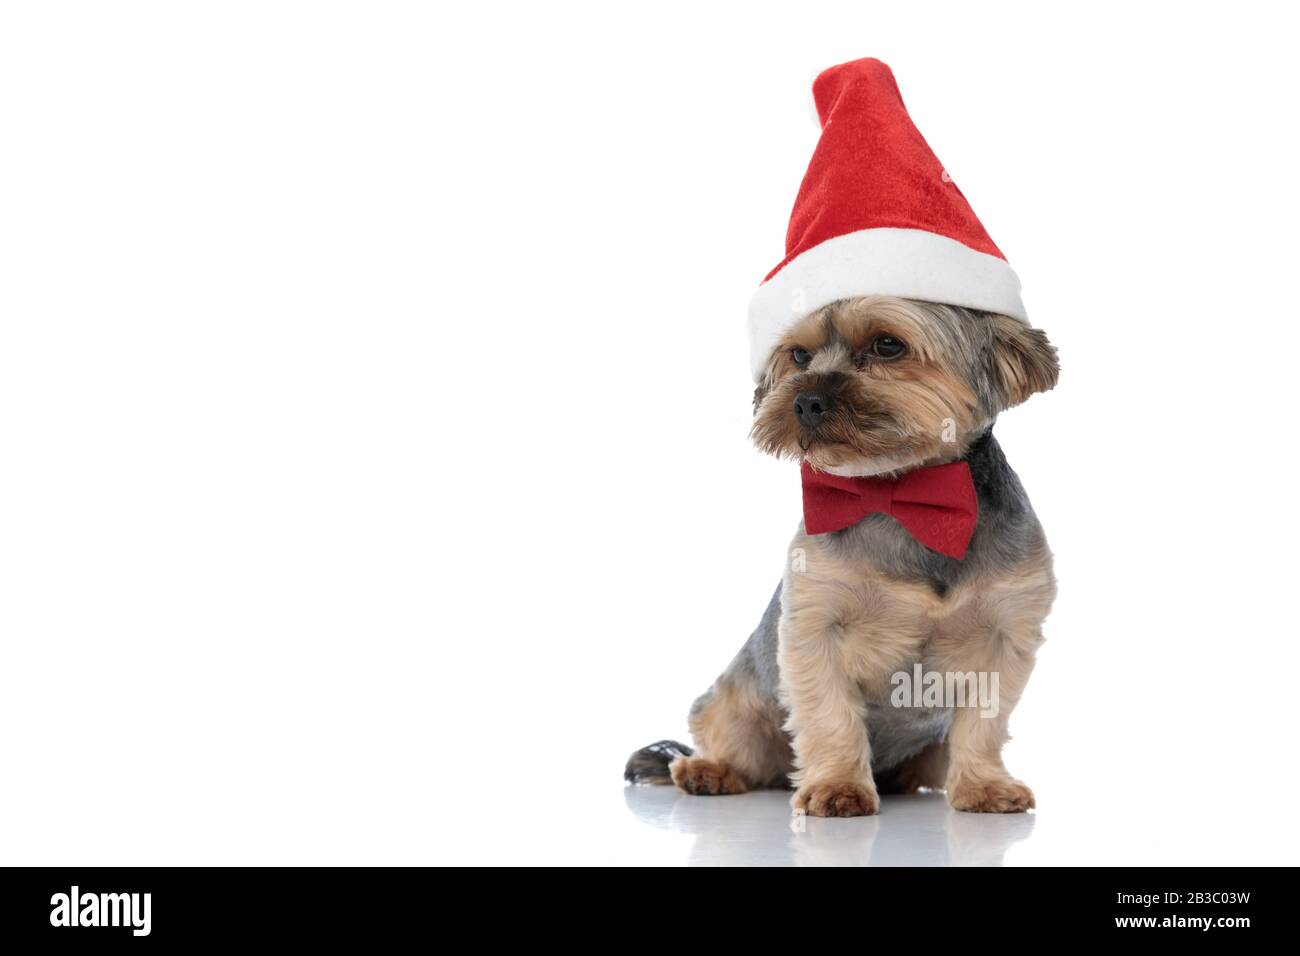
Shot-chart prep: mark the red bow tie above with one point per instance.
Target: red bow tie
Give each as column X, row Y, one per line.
column 936, row 506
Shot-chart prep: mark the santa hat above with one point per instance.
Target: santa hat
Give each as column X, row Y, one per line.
column 876, row 214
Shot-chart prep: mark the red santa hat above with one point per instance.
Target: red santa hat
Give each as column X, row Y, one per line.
column 876, row 215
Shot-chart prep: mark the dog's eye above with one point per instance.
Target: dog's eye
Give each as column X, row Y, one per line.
column 887, row 347
column 801, row 357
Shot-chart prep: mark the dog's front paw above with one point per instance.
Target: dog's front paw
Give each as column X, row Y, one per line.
column 999, row 795
column 836, row 799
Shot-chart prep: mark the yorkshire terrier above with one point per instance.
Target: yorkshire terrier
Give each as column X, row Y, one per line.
column 880, row 387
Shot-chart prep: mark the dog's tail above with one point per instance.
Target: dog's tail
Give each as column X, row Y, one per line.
column 650, row 764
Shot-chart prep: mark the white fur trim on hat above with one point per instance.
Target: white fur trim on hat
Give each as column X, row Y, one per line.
column 908, row 263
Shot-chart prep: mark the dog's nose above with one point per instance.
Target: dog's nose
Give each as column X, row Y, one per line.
column 811, row 408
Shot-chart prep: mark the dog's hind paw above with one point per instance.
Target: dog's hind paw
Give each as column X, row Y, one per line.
column 705, row 778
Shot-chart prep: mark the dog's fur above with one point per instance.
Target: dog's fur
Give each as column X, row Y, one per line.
column 806, row 702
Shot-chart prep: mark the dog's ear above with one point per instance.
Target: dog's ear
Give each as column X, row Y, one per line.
column 1024, row 362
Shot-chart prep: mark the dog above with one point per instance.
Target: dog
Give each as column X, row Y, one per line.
column 879, row 387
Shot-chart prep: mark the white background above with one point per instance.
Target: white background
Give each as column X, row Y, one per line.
column 374, row 399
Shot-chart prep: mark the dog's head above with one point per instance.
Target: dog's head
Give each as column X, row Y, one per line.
column 874, row 385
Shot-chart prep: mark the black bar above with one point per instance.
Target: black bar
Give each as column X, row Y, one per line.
column 235, row 905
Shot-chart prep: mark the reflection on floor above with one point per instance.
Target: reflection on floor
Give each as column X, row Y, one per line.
column 759, row 829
